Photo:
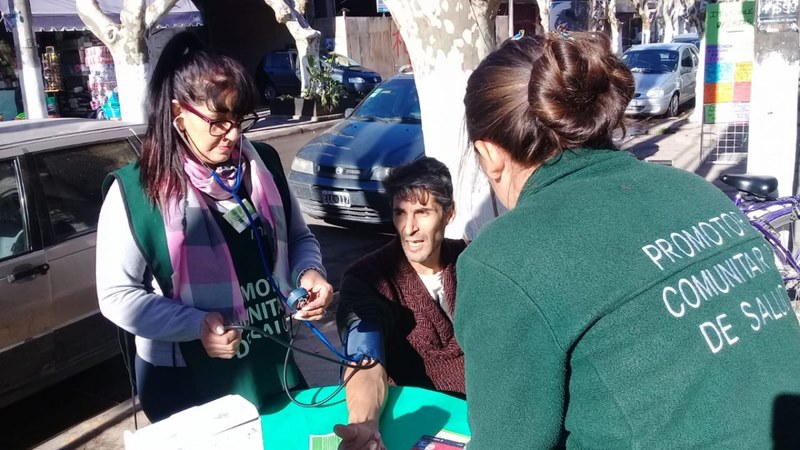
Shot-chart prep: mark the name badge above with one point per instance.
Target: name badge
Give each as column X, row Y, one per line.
column 238, row 219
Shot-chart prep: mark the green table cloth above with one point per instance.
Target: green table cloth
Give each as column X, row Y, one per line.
column 409, row 413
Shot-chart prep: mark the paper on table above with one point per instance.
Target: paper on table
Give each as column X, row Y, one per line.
column 328, row 441
column 453, row 436
column 444, row 440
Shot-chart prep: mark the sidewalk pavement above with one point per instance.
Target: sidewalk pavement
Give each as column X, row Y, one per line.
column 677, row 142
column 674, row 142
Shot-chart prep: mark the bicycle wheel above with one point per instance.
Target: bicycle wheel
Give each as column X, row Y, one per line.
column 784, row 229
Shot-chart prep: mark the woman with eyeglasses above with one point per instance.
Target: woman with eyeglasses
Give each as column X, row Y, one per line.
column 200, row 233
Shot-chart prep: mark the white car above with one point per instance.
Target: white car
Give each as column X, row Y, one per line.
column 665, row 76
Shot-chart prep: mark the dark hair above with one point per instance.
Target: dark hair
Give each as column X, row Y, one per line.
column 538, row 96
column 420, row 178
column 186, row 72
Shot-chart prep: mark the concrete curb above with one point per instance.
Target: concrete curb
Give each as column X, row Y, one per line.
column 289, row 128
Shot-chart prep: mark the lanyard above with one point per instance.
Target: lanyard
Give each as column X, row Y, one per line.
column 290, row 304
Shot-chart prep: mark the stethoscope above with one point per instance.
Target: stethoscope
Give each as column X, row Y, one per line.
column 292, row 303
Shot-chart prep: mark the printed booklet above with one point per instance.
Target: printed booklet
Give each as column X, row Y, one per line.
column 328, row 441
column 444, row 440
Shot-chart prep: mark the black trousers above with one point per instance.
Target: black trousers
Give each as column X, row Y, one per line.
column 163, row 391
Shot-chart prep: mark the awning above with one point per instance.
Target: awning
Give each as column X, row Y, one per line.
column 62, row 15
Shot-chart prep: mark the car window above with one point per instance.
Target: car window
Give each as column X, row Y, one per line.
column 686, row 59
column 13, row 237
column 651, row 61
column 337, row 60
column 72, row 181
column 280, row 60
column 391, row 101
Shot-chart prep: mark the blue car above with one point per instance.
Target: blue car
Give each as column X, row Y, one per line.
column 337, row 175
column 355, row 79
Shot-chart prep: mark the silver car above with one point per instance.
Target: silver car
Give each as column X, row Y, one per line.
column 51, row 174
column 665, row 75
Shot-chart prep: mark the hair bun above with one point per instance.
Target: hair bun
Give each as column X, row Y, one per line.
column 578, row 88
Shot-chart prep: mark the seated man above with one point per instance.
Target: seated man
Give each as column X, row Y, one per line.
column 396, row 305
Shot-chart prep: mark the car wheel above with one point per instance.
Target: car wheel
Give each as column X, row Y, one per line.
column 672, row 109
column 269, row 93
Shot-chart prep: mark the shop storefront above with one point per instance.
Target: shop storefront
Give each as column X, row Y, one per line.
column 77, row 69
column 66, row 76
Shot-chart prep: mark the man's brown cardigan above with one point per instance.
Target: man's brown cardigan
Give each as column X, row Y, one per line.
column 420, row 345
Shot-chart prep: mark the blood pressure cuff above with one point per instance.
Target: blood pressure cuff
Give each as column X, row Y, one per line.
column 365, row 338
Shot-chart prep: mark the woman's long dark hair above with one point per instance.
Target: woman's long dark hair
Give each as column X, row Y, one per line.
column 186, row 72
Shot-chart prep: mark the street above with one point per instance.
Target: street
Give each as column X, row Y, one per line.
column 38, row 418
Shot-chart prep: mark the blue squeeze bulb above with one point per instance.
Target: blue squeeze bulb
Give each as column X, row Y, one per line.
column 297, row 299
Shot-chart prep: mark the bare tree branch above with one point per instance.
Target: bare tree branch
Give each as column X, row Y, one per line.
column 97, row 22
column 131, row 17
column 300, row 5
column 157, row 10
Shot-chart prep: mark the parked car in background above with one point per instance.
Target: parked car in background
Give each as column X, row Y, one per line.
column 356, row 80
column 51, row 174
column 279, row 75
column 665, row 76
column 687, row 38
column 337, row 175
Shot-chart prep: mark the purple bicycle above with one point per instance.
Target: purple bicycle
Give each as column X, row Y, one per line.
column 774, row 217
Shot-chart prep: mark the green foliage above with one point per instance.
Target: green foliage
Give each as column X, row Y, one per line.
column 321, row 85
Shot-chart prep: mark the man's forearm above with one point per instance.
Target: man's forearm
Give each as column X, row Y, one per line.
column 366, row 393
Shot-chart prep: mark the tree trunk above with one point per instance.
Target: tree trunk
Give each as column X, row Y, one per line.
column 668, row 12
column 598, row 16
column 695, row 13
column 544, row 14
column 132, row 82
column 613, row 24
column 29, row 65
column 446, row 40
column 127, row 42
column 644, row 13
column 131, row 65
column 306, row 38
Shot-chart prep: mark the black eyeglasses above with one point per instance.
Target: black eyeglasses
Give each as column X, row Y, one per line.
column 222, row 127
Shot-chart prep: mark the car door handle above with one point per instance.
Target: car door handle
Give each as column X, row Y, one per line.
column 28, row 272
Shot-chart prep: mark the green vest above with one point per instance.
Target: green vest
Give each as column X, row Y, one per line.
column 257, row 370
column 147, row 223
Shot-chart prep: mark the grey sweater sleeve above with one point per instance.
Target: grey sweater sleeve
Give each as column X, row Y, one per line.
column 304, row 250
column 121, row 291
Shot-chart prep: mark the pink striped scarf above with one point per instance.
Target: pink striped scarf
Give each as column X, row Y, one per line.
column 203, row 272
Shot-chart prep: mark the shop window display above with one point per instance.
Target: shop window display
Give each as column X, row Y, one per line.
column 102, row 82
column 75, row 97
column 51, row 76
column 9, row 85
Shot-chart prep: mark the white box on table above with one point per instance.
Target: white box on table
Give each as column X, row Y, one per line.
column 230, row 422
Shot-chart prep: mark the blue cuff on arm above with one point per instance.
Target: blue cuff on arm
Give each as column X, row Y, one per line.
column 365, row 338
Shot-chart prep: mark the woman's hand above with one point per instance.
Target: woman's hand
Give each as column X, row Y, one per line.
column 359, row 436
column 320, row 296
column 218, row 342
